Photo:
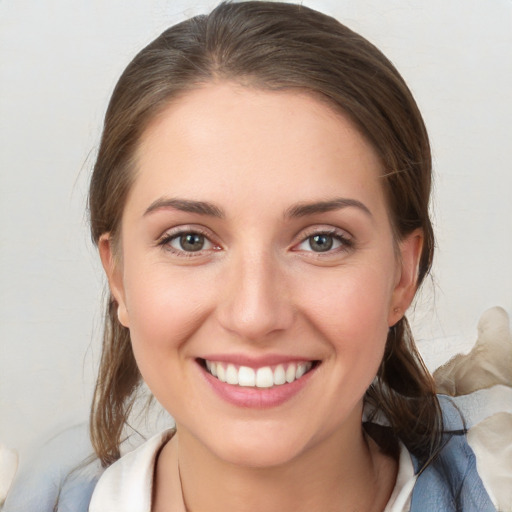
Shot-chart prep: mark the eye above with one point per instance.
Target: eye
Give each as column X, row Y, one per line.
column 185, row 243
column 189, row 242
column 322, row 242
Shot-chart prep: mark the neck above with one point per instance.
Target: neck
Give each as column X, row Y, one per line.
column 343, row 472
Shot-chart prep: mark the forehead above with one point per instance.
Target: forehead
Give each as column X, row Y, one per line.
column 227, row 140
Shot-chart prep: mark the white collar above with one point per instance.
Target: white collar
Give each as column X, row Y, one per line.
column 400, row 499
column 127, row 485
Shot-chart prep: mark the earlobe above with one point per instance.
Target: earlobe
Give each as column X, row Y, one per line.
column 114, row 275
column 407, row 280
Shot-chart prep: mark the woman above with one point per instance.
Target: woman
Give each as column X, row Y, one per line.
column 260, row 204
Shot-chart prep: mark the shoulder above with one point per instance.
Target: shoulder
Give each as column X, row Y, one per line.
column 65, row 477
column 61, row 473
column 450, row 481
column 127, row 484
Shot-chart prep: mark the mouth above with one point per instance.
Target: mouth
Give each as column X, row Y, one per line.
column 262, row 377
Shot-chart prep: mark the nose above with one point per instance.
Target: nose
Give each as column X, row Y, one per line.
column 255, row 303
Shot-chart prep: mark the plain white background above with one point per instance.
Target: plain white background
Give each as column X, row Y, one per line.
column 59, row 61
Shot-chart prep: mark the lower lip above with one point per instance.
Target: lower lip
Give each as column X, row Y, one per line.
column 257, row 398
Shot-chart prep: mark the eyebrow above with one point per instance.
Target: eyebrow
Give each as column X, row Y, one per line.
column 298, row 210
column 304, row 209
column 186, row 205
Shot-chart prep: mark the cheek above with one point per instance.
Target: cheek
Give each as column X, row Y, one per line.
column 351, row 299
column 350, row 309
column 164, row 310
column 164, row 313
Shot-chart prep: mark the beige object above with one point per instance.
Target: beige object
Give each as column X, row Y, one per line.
column 491, row 440
column 488, row 363
column 8, row 466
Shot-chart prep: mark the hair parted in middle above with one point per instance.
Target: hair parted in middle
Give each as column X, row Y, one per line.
column 272, row 46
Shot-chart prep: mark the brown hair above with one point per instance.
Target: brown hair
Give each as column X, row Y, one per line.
column 274, row 46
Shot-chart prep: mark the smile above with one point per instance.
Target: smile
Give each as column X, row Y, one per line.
column 262, row 377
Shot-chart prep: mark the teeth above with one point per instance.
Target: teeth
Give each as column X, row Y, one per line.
column 279, row 375
column 231, row 375
column 290, row 373
column 221, row 373
column 264, row 377
column 301, row 370
column 246, row 377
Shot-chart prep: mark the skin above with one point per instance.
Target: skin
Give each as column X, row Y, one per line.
column 258, row 288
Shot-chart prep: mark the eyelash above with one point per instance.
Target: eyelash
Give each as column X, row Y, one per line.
column 346, row 242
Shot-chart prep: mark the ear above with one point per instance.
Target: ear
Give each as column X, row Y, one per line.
column 114, row 274
column 406, row 282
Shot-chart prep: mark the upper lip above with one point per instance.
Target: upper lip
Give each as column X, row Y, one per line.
column 256, row 361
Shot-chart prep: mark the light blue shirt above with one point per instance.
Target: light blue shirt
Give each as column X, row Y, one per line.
column 450, row 482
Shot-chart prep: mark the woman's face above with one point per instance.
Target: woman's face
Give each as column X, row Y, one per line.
column 256, row 245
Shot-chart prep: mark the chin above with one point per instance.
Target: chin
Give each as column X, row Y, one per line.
column 254, row 455
column 262, row 445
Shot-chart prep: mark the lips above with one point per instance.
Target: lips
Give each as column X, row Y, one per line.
column 258, row 383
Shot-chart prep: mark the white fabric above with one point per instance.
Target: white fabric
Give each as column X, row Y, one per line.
column 400, row 500
column 127, row 485
column 491, row 440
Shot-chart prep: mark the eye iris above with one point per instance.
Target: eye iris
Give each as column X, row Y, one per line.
column 192, row 242
column 321, row 243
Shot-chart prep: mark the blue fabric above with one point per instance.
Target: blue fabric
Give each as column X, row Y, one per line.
column 451, row 481
column 57, row 474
